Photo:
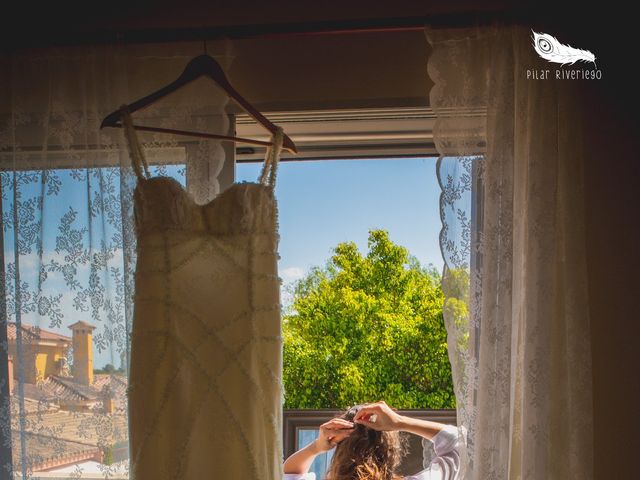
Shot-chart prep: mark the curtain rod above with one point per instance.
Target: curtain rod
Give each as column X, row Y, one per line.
column 67, row 37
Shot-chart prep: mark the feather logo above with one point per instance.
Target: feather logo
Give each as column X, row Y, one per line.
column 549, row 48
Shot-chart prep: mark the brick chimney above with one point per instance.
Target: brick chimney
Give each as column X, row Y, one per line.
column 10, row 358
column 82, row 339
column 108, row 402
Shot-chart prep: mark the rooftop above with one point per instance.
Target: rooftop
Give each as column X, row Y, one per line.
column 31, row 334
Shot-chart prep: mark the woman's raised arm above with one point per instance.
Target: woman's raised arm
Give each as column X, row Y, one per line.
column 380, row 416
column 331, row 433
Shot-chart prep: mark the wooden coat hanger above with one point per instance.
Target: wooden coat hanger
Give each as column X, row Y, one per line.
column 202, row 65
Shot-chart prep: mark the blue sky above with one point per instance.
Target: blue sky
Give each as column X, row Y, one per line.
column 320, row 204
column 323, row 203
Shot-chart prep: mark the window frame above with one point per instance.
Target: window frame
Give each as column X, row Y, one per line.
column 345, row 134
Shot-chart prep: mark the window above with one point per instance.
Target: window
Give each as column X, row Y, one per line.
column 69, row 412
column 356, row 170
column 359, row 171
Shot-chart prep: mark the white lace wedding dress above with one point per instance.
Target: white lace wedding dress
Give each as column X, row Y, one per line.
column 205, row 397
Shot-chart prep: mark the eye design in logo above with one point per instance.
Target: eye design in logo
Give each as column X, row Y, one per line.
column 549, row 48
column 543, row 45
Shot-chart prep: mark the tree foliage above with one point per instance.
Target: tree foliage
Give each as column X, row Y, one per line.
column 366, row 328
column 456, row 307
column 110, row 369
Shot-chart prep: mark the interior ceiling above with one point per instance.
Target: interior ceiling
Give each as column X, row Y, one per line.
column 275, row 72
column 272, row 71
column 198, row 13
column 74, row 21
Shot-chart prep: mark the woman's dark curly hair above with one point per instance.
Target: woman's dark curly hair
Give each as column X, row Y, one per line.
column 366, row 454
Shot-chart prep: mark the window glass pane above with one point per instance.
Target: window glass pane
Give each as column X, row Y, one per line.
column 360, row 262
column 67, row 355
column 321, row 462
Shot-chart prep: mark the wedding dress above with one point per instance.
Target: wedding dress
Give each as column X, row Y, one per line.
column 205, row 397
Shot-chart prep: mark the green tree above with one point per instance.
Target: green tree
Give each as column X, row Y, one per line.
column 108, row 368
column 456, row 309
column 366, row 328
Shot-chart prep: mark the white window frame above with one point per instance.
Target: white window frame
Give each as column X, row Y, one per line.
column 345, row 134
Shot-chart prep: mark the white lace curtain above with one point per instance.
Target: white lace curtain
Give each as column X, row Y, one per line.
column 512, row 207
column 69, row 241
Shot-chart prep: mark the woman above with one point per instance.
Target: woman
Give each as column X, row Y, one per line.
column 368, row 447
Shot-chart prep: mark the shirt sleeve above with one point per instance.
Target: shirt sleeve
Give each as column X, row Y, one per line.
column 299, row 476
column 445, row 465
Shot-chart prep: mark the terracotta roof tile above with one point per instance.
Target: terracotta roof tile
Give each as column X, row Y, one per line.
column 30, row 333
column 32, row 405
column 56, row 388
column 90, row 428
column 66, row 388
column 56, row 438
column 118, row 385
column 45, row 452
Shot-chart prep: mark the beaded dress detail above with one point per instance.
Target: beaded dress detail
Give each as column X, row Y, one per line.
column 205, row 397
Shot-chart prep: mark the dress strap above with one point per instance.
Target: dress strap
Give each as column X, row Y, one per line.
column 136, row 152
column 272, row 157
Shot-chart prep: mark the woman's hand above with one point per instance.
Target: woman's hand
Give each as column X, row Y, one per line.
column 332, row 433
column 379, row 416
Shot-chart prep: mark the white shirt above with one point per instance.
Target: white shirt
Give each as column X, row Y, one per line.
column 445, row 465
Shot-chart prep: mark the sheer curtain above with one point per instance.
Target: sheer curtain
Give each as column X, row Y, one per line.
column 69, row 243
column 512, row 206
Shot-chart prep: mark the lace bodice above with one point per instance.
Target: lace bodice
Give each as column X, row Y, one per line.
column 161, row 202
